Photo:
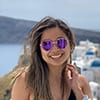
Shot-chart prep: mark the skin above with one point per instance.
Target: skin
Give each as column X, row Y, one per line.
column 55, row 59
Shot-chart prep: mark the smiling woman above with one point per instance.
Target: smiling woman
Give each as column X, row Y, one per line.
column 50, row 74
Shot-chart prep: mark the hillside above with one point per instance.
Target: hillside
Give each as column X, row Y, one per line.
column 14, row 31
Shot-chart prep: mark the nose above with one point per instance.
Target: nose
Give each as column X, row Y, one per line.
column 54, row 47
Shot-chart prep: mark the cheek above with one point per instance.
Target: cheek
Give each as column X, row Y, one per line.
column 67, row 51
column 43, row 54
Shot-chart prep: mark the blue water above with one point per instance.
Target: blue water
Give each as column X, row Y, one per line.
column 9, row 55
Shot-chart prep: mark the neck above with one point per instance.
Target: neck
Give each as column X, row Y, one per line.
column 55, row 72
column 55, row 81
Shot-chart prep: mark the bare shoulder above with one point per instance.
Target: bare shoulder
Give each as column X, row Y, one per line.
column 20, row 79
column 83, row 79
column 84, row 83
column 19, row 89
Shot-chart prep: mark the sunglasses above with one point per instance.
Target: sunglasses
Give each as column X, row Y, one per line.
column 47, row 45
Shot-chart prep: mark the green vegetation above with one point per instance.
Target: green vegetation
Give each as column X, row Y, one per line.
column 5, row 87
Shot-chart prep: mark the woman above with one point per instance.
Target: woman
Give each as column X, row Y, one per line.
column 51, row 76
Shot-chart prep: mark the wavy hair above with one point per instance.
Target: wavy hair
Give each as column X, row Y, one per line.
column 38, row 72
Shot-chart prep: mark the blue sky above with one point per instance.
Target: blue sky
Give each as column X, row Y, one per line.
column 83, row 14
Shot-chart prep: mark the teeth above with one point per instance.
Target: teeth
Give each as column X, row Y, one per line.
column 57, row 56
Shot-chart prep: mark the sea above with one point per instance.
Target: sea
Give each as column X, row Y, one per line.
column 9, row 55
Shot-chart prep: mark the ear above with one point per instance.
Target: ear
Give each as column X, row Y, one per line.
column 71, row 51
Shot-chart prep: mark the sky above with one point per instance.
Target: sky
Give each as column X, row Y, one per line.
column 83, row 14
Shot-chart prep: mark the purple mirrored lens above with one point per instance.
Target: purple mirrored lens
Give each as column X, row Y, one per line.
column 47, row 45
column 61, row 43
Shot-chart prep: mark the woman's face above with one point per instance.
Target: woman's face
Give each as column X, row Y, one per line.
column 55, row 47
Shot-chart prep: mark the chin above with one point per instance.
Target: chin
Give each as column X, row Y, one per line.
column 56, row 64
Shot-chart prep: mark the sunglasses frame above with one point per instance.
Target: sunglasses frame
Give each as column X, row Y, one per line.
column 54, row 43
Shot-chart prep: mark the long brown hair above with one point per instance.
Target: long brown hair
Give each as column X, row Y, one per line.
column 37, row 75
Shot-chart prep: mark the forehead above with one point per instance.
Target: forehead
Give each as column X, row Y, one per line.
column 53, row 33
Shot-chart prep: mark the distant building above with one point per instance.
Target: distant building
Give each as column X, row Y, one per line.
column 86, row 56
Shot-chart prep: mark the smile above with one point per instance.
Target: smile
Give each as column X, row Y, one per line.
column 56, row 56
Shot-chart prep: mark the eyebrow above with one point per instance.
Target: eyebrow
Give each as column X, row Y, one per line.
column 56, row 38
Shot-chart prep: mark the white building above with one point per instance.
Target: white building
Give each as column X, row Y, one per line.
column 85, row 56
